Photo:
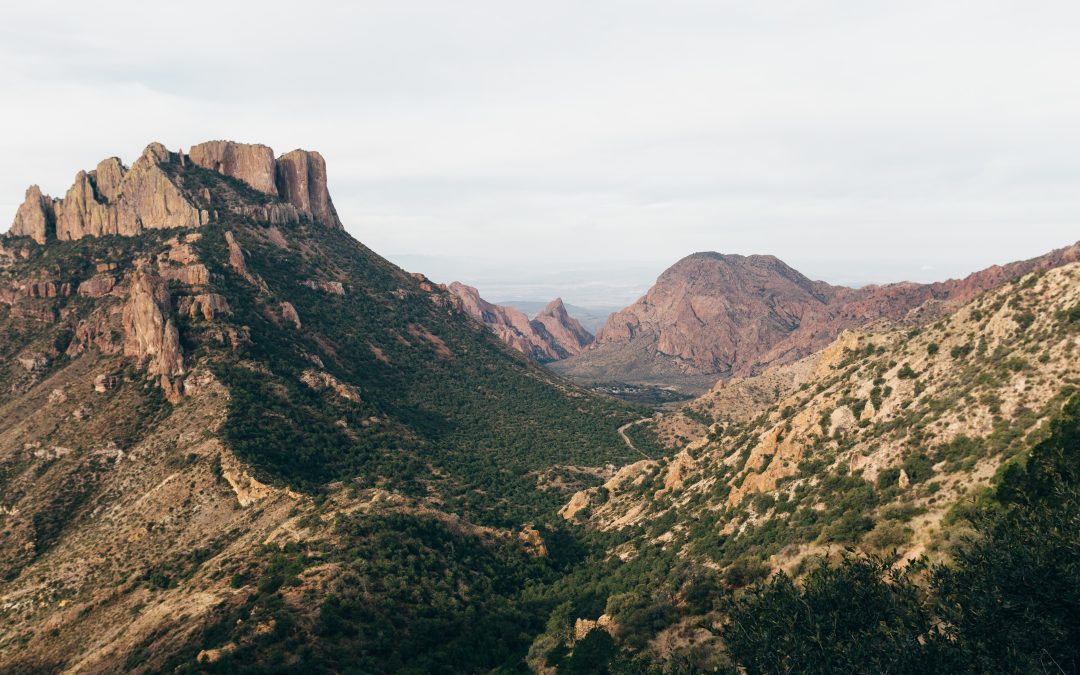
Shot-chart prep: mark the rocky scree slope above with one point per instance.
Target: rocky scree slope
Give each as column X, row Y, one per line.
column 712, row 315
column 552, row 335
column 232, row 434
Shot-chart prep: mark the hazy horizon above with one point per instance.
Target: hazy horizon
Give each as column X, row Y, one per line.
column 863, row 143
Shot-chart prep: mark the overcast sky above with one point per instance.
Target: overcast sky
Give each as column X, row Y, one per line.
column 498, row 141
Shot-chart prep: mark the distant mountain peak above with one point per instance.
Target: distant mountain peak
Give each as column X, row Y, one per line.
column 714, row 315
column 552, row 335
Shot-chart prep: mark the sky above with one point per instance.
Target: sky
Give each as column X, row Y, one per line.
column 579, row 148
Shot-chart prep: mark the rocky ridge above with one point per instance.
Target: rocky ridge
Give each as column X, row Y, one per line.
column 552, row 335
column 210, row 426
column 115, row 200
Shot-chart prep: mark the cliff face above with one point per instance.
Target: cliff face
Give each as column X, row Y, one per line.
column 717, row 316
column 112, row 199
column 551, row 336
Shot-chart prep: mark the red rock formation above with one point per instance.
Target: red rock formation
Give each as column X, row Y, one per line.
column 731, row 315
column 567, row 332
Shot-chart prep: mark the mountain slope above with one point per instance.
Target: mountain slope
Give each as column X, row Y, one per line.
column 712, row 315
column 882, row 441
column 224, row 422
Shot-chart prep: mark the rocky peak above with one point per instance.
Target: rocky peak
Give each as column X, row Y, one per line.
column 551, row 336
column 36, row 217
column 568, row 333
column 719, row 315
column 112, row 199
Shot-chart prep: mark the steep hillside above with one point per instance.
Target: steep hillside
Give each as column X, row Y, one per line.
column 715, row 316
column 883, row 441
column 232, row 435
column 551, row 335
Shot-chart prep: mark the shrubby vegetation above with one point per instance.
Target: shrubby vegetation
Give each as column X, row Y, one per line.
column 1008, row 603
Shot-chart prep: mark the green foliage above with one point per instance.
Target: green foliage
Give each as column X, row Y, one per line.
column 862, row 616
column 960, row 351
column 412, row 595
column 592, row 654
column 1009, row 603
column 1012, row 598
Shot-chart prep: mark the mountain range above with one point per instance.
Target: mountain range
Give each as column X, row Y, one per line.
column 224, row 421
column 235, row 439
column 712, row 316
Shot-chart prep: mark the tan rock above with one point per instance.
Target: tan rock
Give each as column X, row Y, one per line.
column 288, row 312
column 36, row 217
column 189, row 275
column 97, row 286
column 109, row 200
column 331, row 287
column 252, row 163
column 207, row 306
column 301, row 181
column 579, row 501
column 533, row 542
column 317, row 379
column 150, row 334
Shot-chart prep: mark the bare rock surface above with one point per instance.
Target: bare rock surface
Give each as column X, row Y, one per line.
column 150, row 333
column 552, row 335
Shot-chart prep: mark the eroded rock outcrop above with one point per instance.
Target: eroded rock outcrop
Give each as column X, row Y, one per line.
column 252, row 163
column 36, row 217
column 204, row 305
column 301, row 181
column 150, row 333
column 110, row 200
column 567, row 332
column 114, row 200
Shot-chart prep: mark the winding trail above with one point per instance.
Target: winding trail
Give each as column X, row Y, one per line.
column 626, row 439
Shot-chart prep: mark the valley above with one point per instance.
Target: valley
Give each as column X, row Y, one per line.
column 233, row 438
